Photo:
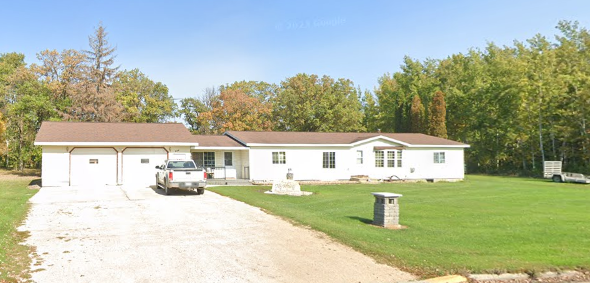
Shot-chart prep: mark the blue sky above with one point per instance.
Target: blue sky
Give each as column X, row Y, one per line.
column 192, row 45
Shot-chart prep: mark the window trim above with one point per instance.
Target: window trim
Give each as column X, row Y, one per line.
column 329, row 160
column 391, row 159
column 379, row 159
column 359, row 157
column 279, row 157
column 439, row 157
column 205, row 159
column 231, row 158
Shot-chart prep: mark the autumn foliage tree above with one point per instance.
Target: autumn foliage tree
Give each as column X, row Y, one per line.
column 237, row 111
column 438, row 116
column 71, row 85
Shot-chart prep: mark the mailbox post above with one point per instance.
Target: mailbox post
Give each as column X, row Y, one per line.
column 386, row 210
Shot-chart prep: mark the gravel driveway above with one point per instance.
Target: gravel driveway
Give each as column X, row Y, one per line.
column 134, row 234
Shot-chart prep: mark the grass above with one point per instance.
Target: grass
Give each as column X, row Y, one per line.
column 482, row 225
column 14, row 258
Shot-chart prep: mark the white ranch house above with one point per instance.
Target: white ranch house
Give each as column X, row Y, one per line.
column 77, row 153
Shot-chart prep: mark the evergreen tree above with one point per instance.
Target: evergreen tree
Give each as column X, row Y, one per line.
column 417, row 114
column 438, row 116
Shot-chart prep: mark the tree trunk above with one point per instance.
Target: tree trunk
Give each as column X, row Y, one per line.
column 20, row 162
column 541, row 127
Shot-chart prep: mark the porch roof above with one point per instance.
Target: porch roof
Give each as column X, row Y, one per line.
column 217, row 141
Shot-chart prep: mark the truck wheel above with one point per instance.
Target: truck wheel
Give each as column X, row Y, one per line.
column 200, row 191
column 157, row 185
column 167, row 190
column 557, row 179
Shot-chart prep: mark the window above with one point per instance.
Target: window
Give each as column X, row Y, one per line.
column 359, row 157
column 198, row 158
column 93, row 161
column 181, row 164
column 279, row 157
column 329, row 160
column 439, row 157
column 379, row 158
column 145, row 161
column 399, row 158
column 391, row 159
column 204, row 159
column 228, row 159
column 209, row 159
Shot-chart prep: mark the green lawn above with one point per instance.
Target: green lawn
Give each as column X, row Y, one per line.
column 484, row 224
column 14, row 258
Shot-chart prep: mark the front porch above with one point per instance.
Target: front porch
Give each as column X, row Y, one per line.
column 223, row 164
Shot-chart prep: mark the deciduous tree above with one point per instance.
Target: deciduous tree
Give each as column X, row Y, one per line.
column 237, row 111
column 144, row 100
column 312, row 104
column 190, row 109
column 371, row 114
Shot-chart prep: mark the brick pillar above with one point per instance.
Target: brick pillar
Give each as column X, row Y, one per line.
column 386, row 210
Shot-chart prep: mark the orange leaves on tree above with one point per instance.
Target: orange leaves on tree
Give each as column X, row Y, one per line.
column 236, row 111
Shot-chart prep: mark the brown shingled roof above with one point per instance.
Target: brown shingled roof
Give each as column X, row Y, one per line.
column 113, row 132
column 216, row 141
column 335, row 138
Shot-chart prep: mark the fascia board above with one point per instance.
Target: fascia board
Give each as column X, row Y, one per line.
column 381, row 137
column 295, row 145
column 117, row 143
column 219, row 148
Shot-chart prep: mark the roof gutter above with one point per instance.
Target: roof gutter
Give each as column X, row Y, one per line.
column 118, row 143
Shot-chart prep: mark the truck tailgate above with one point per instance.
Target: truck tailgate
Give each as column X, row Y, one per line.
column 187, row 175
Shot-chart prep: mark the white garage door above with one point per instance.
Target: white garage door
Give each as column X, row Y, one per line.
column 93, row 166
column 139, row 165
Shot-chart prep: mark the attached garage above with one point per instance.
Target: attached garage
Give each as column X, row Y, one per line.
column 96, row 166
column 98, row 154
column 139, row 165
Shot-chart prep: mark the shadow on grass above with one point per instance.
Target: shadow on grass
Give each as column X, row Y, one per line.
column 25, row 173
column 35, row 182
column 361, row 219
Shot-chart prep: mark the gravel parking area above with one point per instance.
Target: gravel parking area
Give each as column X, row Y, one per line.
column 134, row 234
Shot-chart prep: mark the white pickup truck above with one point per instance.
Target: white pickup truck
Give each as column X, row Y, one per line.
column 181, row 174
